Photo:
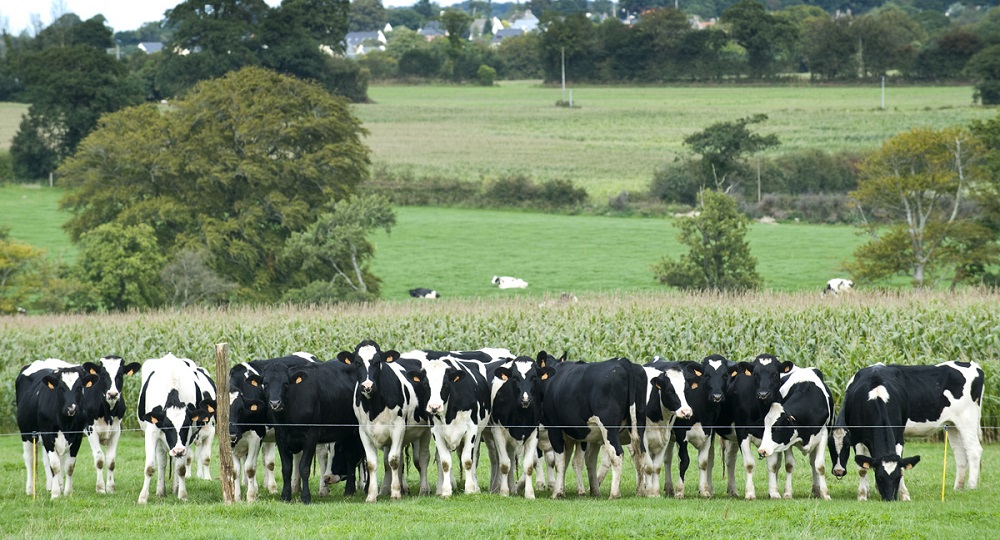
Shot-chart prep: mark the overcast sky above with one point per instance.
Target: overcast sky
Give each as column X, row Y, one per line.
column 15, row 15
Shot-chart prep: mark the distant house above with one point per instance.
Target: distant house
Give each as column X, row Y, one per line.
column 432, row 30
column 150, row 47
column 361, row 43
column 504, row 34
column 526, row 22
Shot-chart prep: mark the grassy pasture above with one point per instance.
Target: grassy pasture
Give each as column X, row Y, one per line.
column 10, row 121
column 32, row 213
column 619, row 135
column 968, row 514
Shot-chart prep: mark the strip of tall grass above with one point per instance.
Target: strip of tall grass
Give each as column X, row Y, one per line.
column 839, row 335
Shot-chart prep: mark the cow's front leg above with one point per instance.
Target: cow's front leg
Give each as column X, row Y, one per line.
column 773, row 464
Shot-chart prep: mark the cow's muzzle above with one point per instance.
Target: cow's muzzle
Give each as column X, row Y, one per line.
column 277, row 406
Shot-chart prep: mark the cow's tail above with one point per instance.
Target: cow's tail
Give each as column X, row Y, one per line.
column 636, row 401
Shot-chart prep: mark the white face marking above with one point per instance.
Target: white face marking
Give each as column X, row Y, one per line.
column 435, row 378
column 524, row 368
column 716, row 364
column 889, row 466
column 69, row 378
column 879, row 392
column 233, row 396
column 764, row 361
column 177, row 416
column 366, row 353
column 838, row 438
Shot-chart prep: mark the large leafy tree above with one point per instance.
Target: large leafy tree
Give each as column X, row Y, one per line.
column 911, row 194
column 70, row 82
column 123, row 265
column 235, row 168
column 768, row 38
column 724, row 145
column 719, row 257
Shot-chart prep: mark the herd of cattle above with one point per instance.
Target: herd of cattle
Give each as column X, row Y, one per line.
column 528, row 411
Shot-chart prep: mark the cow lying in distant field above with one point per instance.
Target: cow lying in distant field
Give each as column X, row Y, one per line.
column 838, row 285
column 507, row 282
column 421, row 292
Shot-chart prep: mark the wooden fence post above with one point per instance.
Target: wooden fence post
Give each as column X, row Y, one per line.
column 222, row 422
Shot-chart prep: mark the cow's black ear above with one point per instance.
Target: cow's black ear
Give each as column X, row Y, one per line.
column 542, row 358
column 864, row 462
column 154, row 416
column 416, row 375
column 346, row 357
column 745, row 368
column 909, row 462
column 90, row 380
column 546, row 373
column 91, row 368
column 132, row 368
column 658, row 382
column 209, row 405
column 391, row 355
column 51, row 381
column 254, row 405
column 787, row 366
column 503, row 373
column 456, row 375
column 692, row 371
column 298, row 377
column 255, row 380
column 565, row 355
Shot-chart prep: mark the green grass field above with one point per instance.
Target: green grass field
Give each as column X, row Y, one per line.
column 620, row 135
column 457, row 251
column 10, row 120
column 968, row 514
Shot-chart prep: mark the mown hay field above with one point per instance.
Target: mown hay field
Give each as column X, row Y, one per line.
column 838, row 335
column 618, row 135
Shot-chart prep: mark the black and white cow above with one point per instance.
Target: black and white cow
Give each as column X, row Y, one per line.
column 800, row 418
column 105, row 431
column 50, row 409
column 458, row 406
column 705, row 394
column 389, row 412
column 203, row 432
column 836, row 286
column 515, row 415
column 169, row 410
column 943, row 395
column 484, row 355
column 248, row 428
column 872, row 418
column 592, row 403
column 421, row 292
column 665, row 401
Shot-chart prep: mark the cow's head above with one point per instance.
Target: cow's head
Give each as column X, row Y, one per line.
column 68, row 386
column 716, row 370
column 439, row 377
column 672, row 385
column 368, row 360
column 113, row 371
column 174, row 419
column 521, row 379
column 888, row 472
column 547, row 360
column 766, row 370
column 245, row 415
column 780, row 430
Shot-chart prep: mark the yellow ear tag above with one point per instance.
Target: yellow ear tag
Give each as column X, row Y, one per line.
column 196, row 418
column 698, row 373
column 347, row 361
column 416, row 378
column 51, row 386
column 504, row 377
column 544, row 376
column 865, row 466
column 89, row 384
column 93, row 371
column 153, row 420
column 253, row 407
column 792, row 418
column 733, row 374
column 788, row 368
column 455, row 380
column 694, row 385
column 210, row 409
column 298, row 380
column 746, row 372
column 253, row 383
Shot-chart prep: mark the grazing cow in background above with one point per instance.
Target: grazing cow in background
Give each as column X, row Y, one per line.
column 873, row 414
column 946, row 394
column 838, row 285
column 507, row 282
column 421, row 292
column 706, row 396
column 515, row 414
column 800, row 418
column 458, row 406
column 665, row 401
column 50, row 408
column 168, row 410
column 389, row 411
column 591, row 403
